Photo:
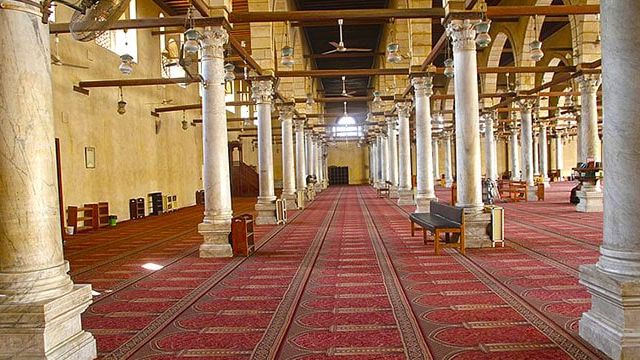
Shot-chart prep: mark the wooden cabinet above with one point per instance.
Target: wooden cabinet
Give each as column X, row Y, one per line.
column 155, row 203
column 242, row 235
column 136, row 208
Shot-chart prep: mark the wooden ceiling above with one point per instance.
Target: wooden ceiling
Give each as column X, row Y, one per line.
column 355, row 36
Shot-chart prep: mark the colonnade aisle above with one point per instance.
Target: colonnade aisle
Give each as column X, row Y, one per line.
column 520, row 301
column 343, row 278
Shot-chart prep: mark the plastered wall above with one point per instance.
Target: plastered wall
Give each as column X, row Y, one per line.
column 131, row 159
column 356, row 158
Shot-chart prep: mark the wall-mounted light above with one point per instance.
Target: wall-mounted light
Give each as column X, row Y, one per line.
column 122, row 105
column 126, row 64
column 377, row 99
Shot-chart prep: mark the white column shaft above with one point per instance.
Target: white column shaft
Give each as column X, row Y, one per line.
column 392, row 152
column 424, row 150
column 404, row 147
column 590, row 140
column 544, row 153
column 448, row 174
column 288, row 163
column 301, row 168
column 490, row 148
column 435, row 148
column 468, row 167
column 527, row 142
column 515, row 156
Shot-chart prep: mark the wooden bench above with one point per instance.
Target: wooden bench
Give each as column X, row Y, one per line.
column 513, row 190
column 442, row 219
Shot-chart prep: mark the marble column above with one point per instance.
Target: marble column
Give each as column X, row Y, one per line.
column 373, row 171
column 216, row 224
column 323, row 162
column 536, row 154
column 544, row 154
column 262, row 92
column 384, row 159
column 613, row 323
column 526, row 138
column 40, row 306
column 559, row 153
column 288, row 166
column 405, row 186
column 589, row 85
column 308, row 143
column 301, row 166
column 468, row 160
column 392, row 156
column 423, row 89
column 318, row 163
column 515, row 155
column 448, row 166
column 435, row 148
column 490, row 148
column 590, row 195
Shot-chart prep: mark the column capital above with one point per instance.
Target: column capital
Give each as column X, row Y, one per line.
column 589, row 83
column 262, row 91
column 404, row 108
column 299, row 124
column 423, row 85
column 462, row 34
column 213, row 42
column 286, row 111
column 526, row 105
column 390, row 120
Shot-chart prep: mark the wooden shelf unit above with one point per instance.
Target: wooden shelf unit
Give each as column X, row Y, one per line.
column 241, row 237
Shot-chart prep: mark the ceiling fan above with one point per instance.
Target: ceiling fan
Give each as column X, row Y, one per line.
column 56, row 60
column 339, row 47
column 344, row 89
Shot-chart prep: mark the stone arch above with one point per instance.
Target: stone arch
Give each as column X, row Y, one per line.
column 584, row 33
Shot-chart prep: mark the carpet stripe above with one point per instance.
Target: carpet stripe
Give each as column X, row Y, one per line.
column 415, row 344
column 269, row 345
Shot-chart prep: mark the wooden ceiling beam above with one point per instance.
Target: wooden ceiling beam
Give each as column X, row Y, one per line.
column 495, row 12
column 333, row 15
column 136, row 82
column 147, row 23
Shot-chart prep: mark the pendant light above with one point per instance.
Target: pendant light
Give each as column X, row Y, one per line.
column 448, row 63
column 229, row 74
column 286, row 58
column 483, row 39
column 185, row 123
column 126, row 62
column 536, row 46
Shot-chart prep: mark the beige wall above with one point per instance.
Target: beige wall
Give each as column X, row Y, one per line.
column 131, row 159
column 356, row 158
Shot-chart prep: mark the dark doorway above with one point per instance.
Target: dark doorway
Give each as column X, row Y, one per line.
column 339, row 175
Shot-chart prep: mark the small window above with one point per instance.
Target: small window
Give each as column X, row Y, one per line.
column 346, row 127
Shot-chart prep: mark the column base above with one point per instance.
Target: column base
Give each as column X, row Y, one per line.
column 291, row 199
column 266, row 213
column 532, row 193
column 405, row 197
column 49, row 329
column 216, row 239
column 612, row 325
column 590, row 201
column 546, row 183
column 318, row 187
column 393, row 192
column 423, row 204
column 325, row 184
column 448, row 183
column 476, row 222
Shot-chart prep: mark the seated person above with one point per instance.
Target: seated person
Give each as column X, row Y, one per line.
column 574, row 199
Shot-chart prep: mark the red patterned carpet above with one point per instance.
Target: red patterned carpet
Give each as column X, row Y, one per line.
column 344, row 279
